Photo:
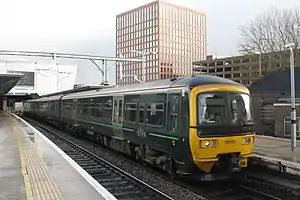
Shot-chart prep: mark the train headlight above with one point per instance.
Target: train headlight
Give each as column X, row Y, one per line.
column 247, row 140
column 208, row 144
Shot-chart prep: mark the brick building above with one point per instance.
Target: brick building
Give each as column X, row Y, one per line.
column 176, row 34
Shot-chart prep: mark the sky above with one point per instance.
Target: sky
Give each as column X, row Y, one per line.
column 88, row 26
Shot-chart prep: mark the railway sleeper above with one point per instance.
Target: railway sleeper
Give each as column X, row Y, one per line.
column 121, row 195
column 120, row 183
column 120, row 188
column 100, row 173
column 108, row 179
column 95, row 168
column 85, row 162
column 94, row 172
column 73, row 154
column 82, row 158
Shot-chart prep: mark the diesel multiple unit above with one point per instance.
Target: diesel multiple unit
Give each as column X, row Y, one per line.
column 198, row 126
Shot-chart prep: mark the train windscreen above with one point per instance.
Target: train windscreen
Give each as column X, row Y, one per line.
column 224, row 113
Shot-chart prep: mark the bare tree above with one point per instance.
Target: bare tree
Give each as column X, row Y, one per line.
column 270, row 31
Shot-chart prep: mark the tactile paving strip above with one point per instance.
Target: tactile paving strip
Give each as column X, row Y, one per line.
column 41, row 184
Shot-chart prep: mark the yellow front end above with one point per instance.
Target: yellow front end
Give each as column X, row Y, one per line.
column 207, row 150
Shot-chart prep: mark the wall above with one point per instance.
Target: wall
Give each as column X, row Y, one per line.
column 263, row 113
column 282, row 111
column 267, row 91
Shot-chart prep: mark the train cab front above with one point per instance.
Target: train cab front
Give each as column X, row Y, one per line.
column 221, row 129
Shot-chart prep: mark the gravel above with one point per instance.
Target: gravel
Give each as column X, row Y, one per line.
column 169, row 188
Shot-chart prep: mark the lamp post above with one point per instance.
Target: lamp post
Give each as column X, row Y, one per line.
column 259, row 61
column 293, row 111
column 144, row 53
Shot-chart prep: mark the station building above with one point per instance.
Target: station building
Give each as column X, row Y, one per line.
column 7, row 82
column 36, row 79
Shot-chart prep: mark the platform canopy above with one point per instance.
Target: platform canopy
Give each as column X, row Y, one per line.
column 8, row 81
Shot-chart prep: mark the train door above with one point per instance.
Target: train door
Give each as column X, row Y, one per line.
column 117, row 117
column 74, row 117
column 174, row 119
column 141, row 121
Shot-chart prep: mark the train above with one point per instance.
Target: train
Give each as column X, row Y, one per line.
column 196, row 126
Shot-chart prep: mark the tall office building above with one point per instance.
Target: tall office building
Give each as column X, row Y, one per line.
column 176, row 34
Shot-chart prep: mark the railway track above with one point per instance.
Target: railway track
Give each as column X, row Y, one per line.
column 119, row 183
column 227, row 190
column 235, row 191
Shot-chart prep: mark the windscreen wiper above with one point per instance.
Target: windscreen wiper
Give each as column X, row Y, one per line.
column 245, row 124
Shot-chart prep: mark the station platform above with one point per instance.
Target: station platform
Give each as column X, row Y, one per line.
column 276, row 153
column 33, row 168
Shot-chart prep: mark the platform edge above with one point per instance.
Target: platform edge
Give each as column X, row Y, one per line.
column 27, row 184
column 283, row 165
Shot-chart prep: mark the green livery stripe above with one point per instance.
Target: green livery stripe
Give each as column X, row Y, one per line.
column 107, row 125
column 164, row 136
column 127, row 129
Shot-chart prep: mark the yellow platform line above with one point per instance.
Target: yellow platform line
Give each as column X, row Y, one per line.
column 41, row 184
column 28, row 188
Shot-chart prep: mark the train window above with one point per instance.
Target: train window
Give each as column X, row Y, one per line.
column 55, row 106
column 97, row 110
column 93, row 108
column 174, row 112
column 130, row 112
column 155, row 114
column 107, row 108
column 85, row 109
column 141, row 113
column 120, row 111
column 115, row 111
column 79, row 108
column 67, row 106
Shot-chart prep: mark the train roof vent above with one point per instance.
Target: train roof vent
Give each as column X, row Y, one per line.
column 173, row 79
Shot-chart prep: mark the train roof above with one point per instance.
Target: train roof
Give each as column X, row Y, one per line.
column 75, row 90
column 188, row 81
column 57, row 95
